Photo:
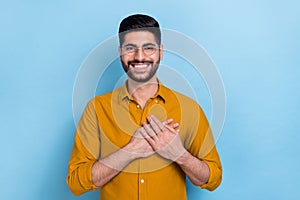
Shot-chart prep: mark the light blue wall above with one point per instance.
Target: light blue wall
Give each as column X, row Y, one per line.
column 255, row 45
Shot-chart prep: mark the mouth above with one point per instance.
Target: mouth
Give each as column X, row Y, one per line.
column 139, row 65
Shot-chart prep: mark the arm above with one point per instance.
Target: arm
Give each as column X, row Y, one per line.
column 194, row 168
column 85, row 171
column 85, row 152
column 107, row 168
column 166, row 142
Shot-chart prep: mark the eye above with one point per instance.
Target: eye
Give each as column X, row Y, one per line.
column 149, row 48
column 129, row 48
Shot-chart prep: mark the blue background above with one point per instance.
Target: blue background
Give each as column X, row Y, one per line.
column 255, row 45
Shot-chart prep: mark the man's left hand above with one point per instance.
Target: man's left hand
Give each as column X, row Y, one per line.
column 164, row 139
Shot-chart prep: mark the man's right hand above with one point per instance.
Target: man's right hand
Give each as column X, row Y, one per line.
column 106, row 168
column 138, row 146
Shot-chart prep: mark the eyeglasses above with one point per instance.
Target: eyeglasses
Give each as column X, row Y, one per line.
column 148, row 49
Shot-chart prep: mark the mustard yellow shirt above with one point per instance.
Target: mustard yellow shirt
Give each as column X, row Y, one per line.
column 108, row 123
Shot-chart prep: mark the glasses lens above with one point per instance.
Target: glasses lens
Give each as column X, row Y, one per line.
column 149, row 49
column 129, row 50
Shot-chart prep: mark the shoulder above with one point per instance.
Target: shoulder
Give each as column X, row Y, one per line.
column 107, row 97
column 181, row 98
column 189, row 108
column 102, row 101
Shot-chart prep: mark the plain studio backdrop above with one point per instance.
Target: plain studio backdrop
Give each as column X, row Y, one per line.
column 254, row 44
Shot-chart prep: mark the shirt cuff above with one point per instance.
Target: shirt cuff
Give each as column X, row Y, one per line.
column 215, row 177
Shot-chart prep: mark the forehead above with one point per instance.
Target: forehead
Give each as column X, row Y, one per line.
column 139, row 38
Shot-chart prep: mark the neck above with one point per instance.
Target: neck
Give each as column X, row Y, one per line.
column 142, row 92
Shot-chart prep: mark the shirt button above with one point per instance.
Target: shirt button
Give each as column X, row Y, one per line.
column 156, row 100
column 142, row 180
column 138, row 106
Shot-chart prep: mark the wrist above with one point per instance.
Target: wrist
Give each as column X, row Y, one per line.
column 183, row 158
column 127, row 152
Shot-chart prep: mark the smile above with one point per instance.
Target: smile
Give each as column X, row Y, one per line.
column 139, row 65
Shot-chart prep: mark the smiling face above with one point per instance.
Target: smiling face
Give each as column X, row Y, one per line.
column 140, row 55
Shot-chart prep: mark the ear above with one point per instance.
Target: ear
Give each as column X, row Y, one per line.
column 119, row 50
column 161, row 52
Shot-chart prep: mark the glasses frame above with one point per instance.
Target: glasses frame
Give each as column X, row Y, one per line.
column 134, row 49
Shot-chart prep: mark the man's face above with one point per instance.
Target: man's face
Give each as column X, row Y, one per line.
column 140, row 55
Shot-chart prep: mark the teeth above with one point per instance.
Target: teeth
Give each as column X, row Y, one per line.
column 140, row 66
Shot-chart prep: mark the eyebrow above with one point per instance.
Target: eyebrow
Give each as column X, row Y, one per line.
column 134, row 45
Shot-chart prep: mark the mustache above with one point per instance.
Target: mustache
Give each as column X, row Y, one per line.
column 139, row 62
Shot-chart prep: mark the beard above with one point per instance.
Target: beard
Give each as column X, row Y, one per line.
column 140, row 76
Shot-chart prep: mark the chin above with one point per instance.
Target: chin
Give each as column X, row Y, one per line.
column 140, row 79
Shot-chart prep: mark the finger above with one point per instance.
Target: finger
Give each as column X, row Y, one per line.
column 150, row 141
column 143, row 133
column 171, row 129
column 168, row 121
column 159, row 123
column 175, row 125
column 150, row 131
column 154, row 126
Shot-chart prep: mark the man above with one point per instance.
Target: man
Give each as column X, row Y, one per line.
column 140, row 141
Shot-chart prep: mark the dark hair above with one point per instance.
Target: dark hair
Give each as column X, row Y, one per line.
column 139, row 22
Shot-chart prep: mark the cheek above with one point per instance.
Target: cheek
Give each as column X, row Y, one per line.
column 156, row 58
column 124, row 59
column 124, row 64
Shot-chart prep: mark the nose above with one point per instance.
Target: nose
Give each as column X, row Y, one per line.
column 139, row 54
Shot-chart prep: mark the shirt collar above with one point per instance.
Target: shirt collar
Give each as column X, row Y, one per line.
column 161, row 92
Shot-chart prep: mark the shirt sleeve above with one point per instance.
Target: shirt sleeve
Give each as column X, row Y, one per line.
column 203, row 147
column 84, row 153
